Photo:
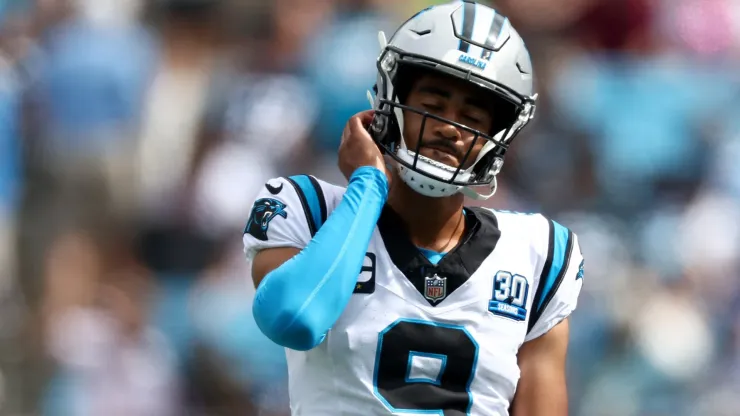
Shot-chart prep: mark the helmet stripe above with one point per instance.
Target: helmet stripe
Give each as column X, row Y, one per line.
column 494, row 34
column 483, row 17
column 468, row 24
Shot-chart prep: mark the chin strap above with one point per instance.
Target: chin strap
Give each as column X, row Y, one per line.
column 470, row 193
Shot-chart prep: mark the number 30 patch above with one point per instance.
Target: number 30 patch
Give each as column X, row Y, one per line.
column 509, row 299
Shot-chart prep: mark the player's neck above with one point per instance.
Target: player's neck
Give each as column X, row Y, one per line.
column 432, row 223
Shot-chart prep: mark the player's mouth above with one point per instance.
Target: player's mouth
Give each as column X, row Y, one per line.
column 441, row 153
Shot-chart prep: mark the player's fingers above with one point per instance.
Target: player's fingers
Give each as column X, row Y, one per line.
column 358, row 126
column 346, row 132
column 364, row 113
column 366, row 117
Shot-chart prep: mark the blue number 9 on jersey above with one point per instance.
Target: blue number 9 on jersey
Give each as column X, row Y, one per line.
column 509, row 298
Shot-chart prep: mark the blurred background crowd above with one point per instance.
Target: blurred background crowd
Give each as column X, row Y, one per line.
column 134, row 133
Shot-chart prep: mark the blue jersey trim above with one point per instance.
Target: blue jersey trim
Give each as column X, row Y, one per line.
column 312, row 197
column 558, row 257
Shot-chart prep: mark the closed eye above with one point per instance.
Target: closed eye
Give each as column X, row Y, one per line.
column 432, row 107
column 472, row 119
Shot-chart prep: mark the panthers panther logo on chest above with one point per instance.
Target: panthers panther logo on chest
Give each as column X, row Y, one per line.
column 264, row 211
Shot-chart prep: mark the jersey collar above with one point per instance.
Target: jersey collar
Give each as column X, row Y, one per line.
column 480, row 238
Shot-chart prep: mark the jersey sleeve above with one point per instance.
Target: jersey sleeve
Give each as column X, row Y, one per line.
column 286, row 213
column 560, row 283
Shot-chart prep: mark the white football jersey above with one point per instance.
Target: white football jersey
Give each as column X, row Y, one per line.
column 418, row 337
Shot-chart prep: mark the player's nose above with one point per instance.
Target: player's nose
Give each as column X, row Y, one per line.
column 448, row 131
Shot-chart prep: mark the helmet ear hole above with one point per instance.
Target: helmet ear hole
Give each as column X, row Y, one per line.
column 385, row 129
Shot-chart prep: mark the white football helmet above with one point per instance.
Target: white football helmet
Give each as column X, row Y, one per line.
column 469, row 41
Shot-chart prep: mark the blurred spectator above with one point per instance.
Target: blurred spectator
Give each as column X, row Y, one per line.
column 175, row 104
column 98, row 334
column 340, row 64
column 221, row 306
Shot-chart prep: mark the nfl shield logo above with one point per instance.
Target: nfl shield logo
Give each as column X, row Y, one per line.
column 435, row 288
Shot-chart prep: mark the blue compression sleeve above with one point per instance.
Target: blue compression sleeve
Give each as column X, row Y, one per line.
column 298, row 302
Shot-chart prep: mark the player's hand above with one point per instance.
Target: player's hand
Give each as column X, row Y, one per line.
column 358, row 148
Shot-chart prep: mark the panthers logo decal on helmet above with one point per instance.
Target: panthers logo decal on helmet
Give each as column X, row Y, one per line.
column 264, row 211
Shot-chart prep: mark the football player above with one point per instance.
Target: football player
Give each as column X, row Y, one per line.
column 391, row 296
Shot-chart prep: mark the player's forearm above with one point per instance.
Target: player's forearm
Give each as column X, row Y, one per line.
column 298, row 302
column 542, row 387
column 541, row 403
